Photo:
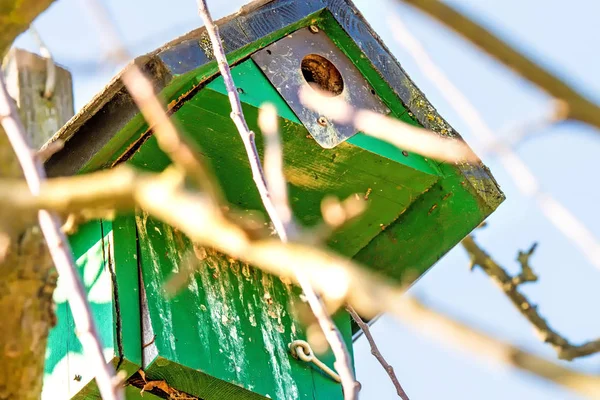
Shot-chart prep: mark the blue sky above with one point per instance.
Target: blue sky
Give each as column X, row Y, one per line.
column 562, row 37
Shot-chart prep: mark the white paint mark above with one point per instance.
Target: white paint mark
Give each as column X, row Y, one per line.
column 155, row 283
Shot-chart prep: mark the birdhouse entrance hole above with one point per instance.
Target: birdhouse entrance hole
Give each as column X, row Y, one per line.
column 320, row 73
column 308, row 58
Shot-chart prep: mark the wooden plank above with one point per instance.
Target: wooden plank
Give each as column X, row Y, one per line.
column 226, row 333
column 66, row 369
column 174, row 69
column 312, row 172
column 26, row 79
column 276, row 15
column 110, row 278
column 362, row 34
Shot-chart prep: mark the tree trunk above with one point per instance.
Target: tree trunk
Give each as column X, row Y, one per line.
column 26, row 288
column 27, row 277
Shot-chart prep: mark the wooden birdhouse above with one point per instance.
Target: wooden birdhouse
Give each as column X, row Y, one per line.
column 226, row 334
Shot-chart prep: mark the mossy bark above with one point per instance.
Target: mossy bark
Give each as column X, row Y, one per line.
column 15, row 17
column 26, row 286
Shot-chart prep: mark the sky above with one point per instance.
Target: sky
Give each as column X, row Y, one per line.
column 563, row 38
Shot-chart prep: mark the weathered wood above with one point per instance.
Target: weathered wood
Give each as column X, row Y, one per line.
column 26, row 75
column 175, row 69
column 199, row 341
column 28, row 279
column 106, row 259
column 226, row 333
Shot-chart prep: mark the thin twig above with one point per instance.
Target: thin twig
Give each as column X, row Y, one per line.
column 578, row 106
column 277, row 185
column 510, row 287
column 459, row 335
column 60, row 250
column 334, row 337
column 393, row 131
column 563, row 219
column 277, row 188
column 180, row 150
column 376, row 353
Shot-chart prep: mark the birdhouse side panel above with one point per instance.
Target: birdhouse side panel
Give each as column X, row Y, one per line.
column 222, row 327
column 104, row 252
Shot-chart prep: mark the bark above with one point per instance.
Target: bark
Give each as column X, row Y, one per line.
column 27, row 278
column 26, row 288
column 15, row 17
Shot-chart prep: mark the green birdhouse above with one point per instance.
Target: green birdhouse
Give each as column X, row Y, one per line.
column 226, row 333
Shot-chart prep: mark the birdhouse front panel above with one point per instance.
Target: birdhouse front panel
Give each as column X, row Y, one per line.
column 211, row 327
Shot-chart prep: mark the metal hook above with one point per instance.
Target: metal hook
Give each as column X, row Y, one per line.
column 301, row 349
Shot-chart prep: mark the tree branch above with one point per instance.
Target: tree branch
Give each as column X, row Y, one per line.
column 579, row 107
column 457, row 334
column 391, row 130
column 563, row 219
column 15, row 18
column 510, row 286
column 183, row 152
column 376, row 353
column 278, row 212
column 165, row 197
column 59, row 248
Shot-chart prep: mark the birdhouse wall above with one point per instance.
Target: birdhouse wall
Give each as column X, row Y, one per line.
column 224, row 334
column 226, row 331
column 105, row 254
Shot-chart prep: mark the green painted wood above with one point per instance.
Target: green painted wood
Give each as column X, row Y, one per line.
column 224, row 336
column 181, row 87
column 67, row 373
column 226, row 333
column 311, row 171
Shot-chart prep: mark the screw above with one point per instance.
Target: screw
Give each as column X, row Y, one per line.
column 322, row 121
column 405, row 153
column 314, row 29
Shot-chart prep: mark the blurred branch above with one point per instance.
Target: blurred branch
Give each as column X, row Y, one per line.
column 279, row 211
column 180, row 150
column 563, row 219
column 15, row 18
column 59, row 248
column 393, row 131
column 165, row 197
column 376, row 353
column 578, row 107
column 510, row 286
column 457, row 334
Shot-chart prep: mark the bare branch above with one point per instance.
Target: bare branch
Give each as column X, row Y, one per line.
column 15, row 18
column 60, row 250
column 510, row 286
column 457, row 334
column 563, row 219
column 578, row 106
column 396, row 132
column 277, row 185
column 180, row 150
column 334, row 337
column 376, row 353
column 164, row 197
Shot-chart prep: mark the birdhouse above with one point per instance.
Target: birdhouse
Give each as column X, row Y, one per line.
column 226, row 333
